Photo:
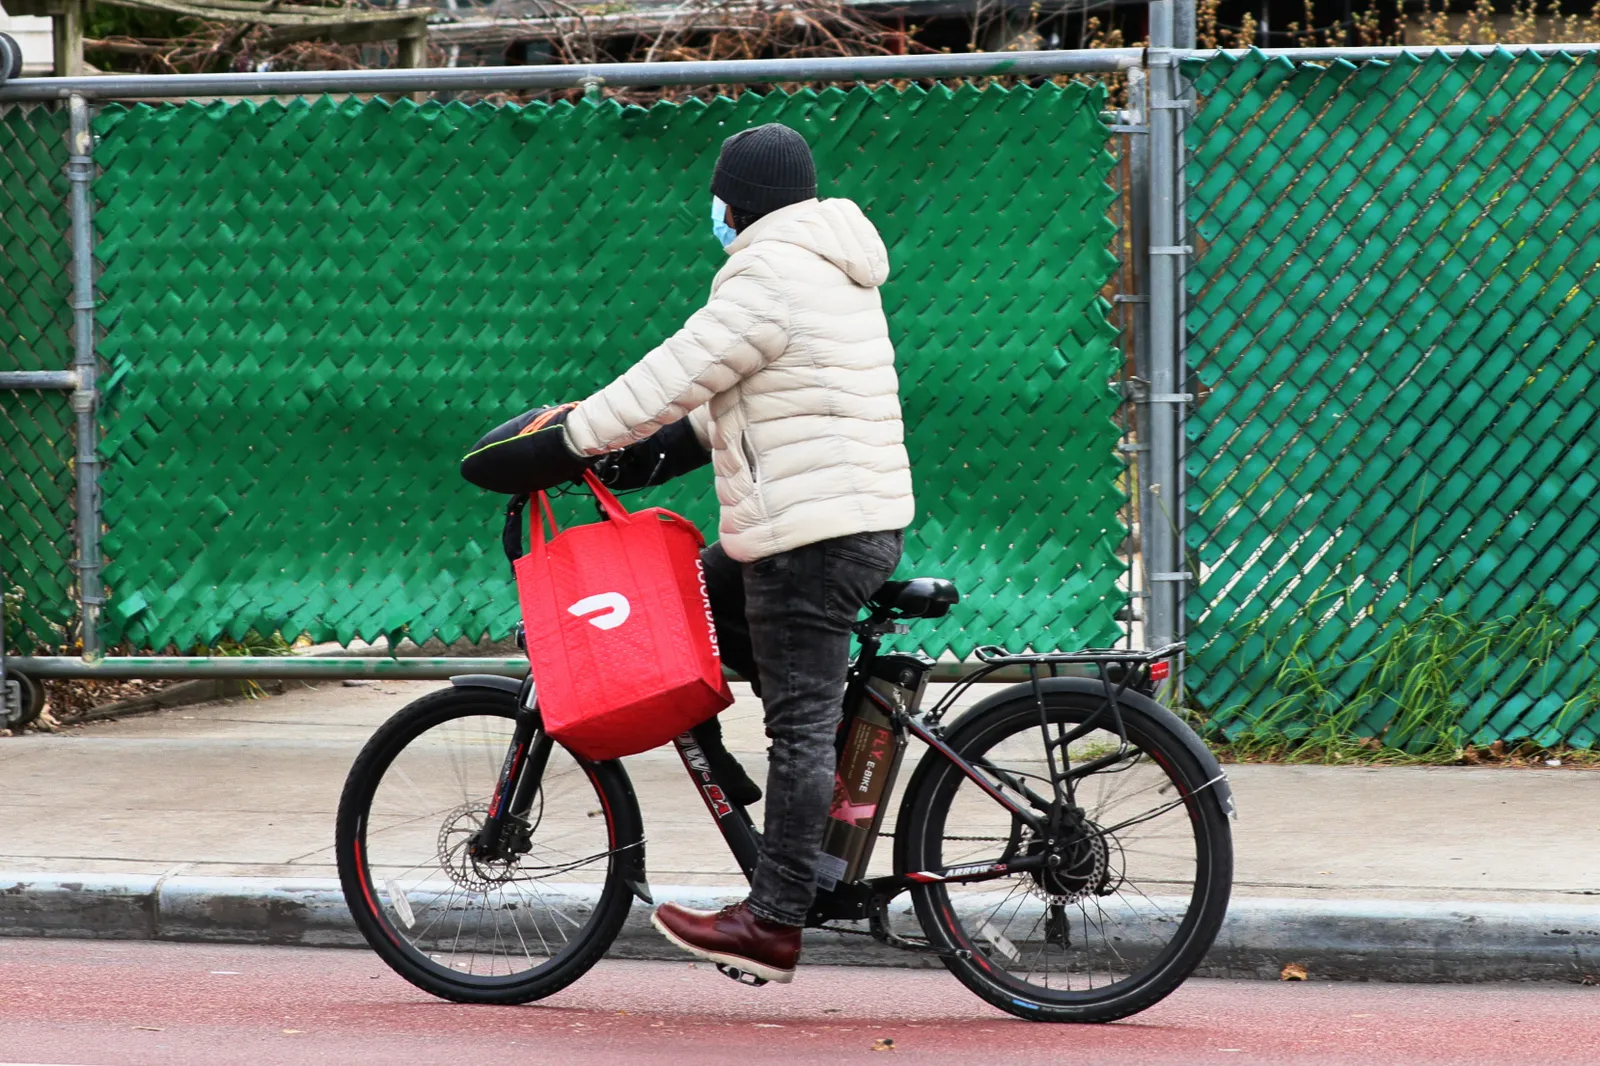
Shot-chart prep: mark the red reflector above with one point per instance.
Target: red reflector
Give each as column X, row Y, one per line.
column 1160, row 671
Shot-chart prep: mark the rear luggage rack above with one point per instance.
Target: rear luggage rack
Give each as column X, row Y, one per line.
column 1119, row 669
column 996, row 656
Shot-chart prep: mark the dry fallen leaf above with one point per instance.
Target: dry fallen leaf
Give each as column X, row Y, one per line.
column 151, row 1028
column 1293, row 972
column 883, row 1043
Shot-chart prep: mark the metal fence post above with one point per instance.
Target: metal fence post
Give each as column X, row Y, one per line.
column 1183, row 25
column 1166, row 551
column 1184, row 40
column 1139, row 247
column 85, row 398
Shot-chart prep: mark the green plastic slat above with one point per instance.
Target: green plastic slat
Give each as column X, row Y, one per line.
column 313, row 307
column 36, row 428
column 1392, row 310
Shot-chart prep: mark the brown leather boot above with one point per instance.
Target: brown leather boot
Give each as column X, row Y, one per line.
column 734, row 937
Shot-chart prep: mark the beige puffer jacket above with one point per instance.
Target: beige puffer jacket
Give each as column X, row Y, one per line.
column 787, row 375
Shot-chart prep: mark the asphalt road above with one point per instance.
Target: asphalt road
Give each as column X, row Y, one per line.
column 107, row 1003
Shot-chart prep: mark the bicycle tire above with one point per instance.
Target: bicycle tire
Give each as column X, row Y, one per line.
column 623, row 827
column 920, row 839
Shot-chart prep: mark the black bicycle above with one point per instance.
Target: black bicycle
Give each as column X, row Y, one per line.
column 1065, row 842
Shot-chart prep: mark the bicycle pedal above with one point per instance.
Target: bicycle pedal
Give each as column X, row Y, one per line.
column 739, row 975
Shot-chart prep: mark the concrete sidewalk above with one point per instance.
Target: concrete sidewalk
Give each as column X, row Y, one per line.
column 248, row 789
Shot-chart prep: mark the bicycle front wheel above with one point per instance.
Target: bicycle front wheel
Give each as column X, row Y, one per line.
column 1120, row 897
column 502, row 931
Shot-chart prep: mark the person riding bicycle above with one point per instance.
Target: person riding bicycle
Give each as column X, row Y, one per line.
column 785, row 383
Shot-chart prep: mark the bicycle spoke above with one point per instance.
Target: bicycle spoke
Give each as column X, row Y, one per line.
column 1087, row 922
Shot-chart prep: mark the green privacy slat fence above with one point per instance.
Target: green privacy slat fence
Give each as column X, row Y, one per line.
column 1394, row 502
column 313, row 307
column 36, row 429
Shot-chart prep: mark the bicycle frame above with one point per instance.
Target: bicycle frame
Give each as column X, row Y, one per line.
column 867, row 899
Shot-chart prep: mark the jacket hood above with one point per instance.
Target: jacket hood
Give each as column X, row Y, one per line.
column 834, row 229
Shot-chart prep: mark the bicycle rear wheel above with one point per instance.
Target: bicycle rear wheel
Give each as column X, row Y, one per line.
column 1142, row 869
column 464, row 929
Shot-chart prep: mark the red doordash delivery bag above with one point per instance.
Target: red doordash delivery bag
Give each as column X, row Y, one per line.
column 619, row 629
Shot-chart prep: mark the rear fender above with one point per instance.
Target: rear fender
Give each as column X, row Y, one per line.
column 1220, row 792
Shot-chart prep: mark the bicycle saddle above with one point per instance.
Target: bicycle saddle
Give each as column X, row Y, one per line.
column 921, row 597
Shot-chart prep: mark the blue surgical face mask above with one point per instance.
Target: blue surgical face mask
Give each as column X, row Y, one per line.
column 719, row 226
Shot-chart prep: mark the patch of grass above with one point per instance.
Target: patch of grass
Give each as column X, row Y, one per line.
column 1404, row 699
column 252, row 643
column 1087, row 750
column 1366, row 751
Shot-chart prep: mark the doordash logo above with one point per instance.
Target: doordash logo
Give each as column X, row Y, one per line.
column 614, row 604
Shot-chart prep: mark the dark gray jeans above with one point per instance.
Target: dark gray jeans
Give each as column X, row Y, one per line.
column 784, row 622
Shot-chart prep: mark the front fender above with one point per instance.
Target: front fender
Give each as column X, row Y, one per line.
column 512, row 685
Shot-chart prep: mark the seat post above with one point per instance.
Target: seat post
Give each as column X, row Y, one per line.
column 869, row 634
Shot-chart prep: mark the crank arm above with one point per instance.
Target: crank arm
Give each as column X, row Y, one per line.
column 879, row 930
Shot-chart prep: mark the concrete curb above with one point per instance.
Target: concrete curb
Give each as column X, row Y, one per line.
column 1337, row 939
column 180, row 694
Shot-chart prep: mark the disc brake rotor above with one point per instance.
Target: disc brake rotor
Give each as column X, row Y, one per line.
column 1084, row 865
column 460, row 825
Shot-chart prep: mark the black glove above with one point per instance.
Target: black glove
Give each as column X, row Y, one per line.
column 671, row 452
column 507, row 460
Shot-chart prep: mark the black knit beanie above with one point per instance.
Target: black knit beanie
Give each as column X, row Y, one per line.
column 763, row 169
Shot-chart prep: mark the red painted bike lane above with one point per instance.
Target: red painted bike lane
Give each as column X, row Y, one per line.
column 105, row 1003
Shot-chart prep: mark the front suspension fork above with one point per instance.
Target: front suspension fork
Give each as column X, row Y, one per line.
column 519, row 779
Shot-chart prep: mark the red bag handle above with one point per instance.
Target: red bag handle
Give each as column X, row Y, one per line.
column 609, row 505
column 541, row 514
column 610, row 508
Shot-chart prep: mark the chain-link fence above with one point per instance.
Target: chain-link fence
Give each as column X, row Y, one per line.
column 310, row 308
column 36, row 427
column 1394, row 505
column 1364, row 422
